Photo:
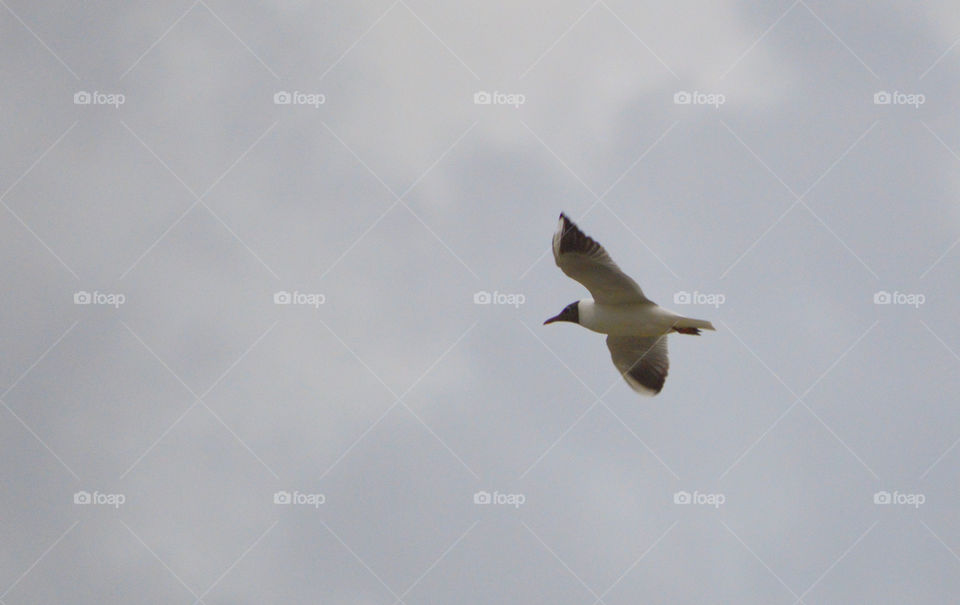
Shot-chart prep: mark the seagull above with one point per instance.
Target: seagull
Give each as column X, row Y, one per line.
column 636, row 327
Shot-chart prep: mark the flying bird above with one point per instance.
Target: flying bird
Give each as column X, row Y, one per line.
column 635, row 326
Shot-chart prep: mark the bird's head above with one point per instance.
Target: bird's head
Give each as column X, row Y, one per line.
column 570, row 313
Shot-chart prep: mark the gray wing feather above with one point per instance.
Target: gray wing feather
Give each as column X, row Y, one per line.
column 585, row 260
column 642, row 361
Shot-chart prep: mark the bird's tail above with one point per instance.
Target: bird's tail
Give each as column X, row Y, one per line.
column 688, row 325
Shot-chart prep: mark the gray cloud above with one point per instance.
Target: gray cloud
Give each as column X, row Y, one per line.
column 397, row 199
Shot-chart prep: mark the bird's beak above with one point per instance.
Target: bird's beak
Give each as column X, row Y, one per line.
column 552, row 319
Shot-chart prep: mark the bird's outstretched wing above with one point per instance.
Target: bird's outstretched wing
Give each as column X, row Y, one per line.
column 584, row 259
column 642, row 361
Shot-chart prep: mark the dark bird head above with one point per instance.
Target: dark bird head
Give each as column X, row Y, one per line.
column 570, row 313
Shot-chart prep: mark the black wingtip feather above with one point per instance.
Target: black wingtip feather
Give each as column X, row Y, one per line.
column 649, row 378
column 572, row 239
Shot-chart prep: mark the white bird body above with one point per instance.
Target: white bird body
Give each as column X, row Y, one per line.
column 636, row 327
column 633, row 319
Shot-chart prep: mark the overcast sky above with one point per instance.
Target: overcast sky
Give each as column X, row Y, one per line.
column 788, row 170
